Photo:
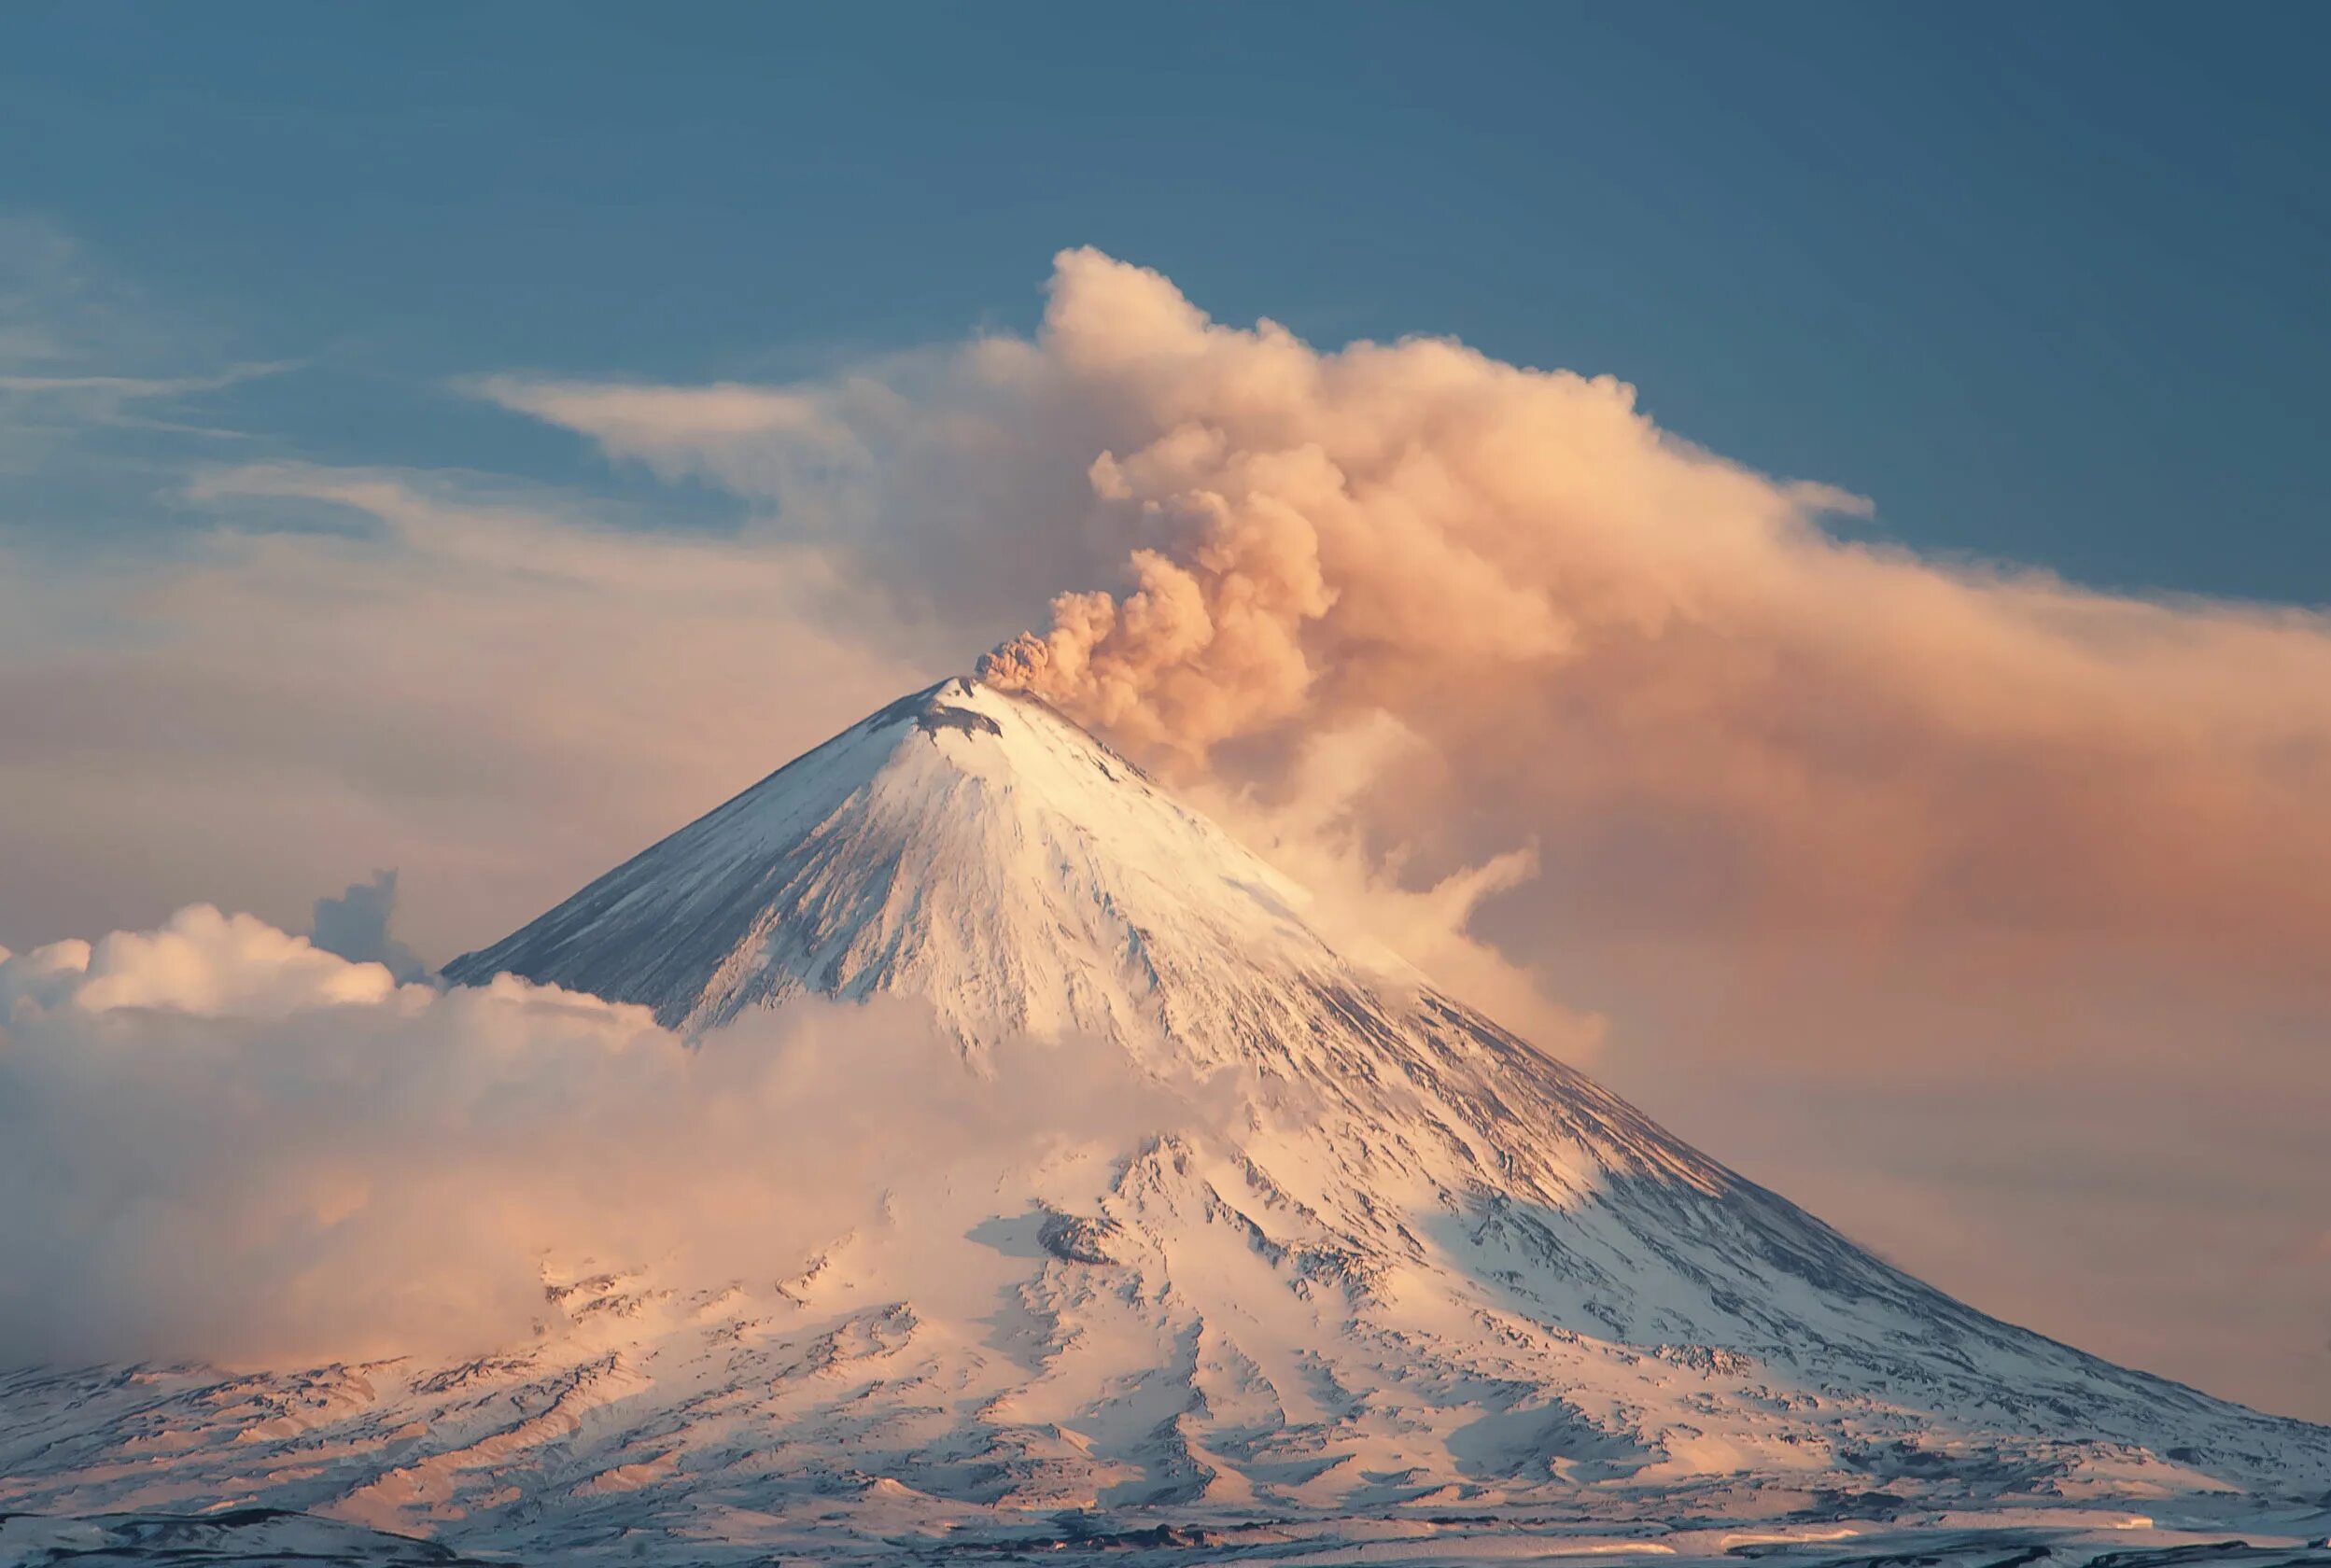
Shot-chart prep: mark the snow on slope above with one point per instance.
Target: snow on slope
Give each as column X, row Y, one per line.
column 963, row 844
column 1383, row 1262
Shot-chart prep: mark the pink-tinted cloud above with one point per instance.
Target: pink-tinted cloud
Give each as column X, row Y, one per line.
column 224, row 1143
column 1607, row 625
column 1621, row 641
column 496, row 693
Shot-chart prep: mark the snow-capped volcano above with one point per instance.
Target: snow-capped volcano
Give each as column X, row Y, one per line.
column 1378, row 1263
column 1400, row 1165
column 965, row 845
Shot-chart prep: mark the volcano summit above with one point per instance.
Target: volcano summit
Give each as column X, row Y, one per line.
column 1370, row 1277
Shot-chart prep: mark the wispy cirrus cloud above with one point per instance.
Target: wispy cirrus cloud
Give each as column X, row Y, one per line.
column 491, row 686
column 60, row 407
column 83, row 352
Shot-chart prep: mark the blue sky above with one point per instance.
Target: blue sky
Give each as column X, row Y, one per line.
column 2044, row 282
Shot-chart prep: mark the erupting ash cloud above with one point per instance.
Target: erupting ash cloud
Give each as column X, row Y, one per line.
column 1655, row 663
column 1601, row 620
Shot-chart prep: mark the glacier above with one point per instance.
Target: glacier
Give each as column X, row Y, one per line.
column 1388, row 1283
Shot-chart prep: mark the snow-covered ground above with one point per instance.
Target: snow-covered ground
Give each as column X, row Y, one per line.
column 1334, row 1269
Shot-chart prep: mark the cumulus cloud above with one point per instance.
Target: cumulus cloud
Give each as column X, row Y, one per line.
column 221, row 1141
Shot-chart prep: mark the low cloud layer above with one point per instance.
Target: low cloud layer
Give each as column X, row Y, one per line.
column 221, row 1141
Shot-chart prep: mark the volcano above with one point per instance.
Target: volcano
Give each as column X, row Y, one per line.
column 1397, row 1284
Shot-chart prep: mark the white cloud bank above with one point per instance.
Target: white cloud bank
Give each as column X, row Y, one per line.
column 219, row 1142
